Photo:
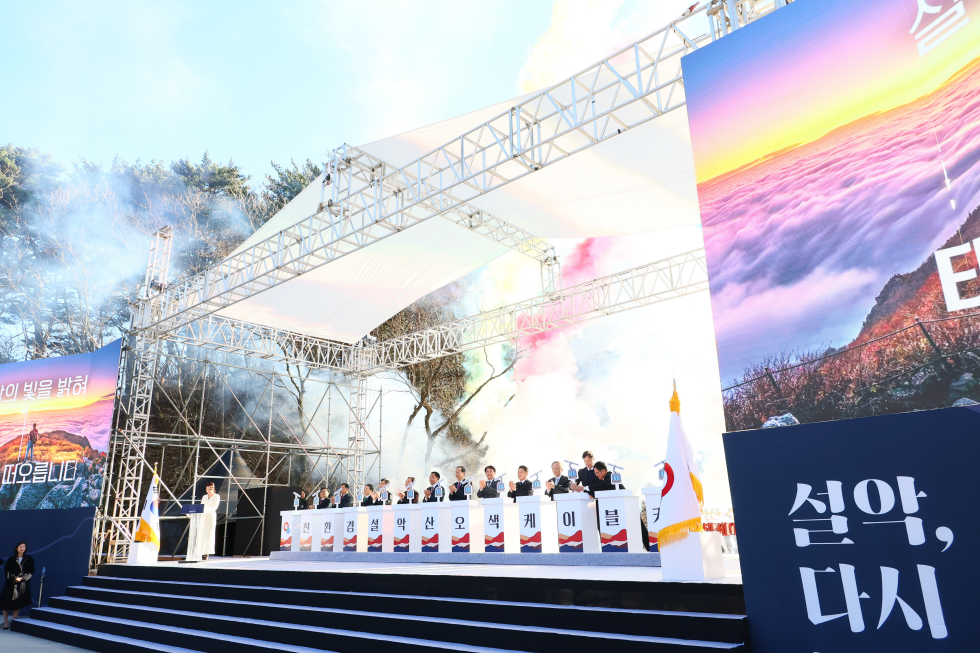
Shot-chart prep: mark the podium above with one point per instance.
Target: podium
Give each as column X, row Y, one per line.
column 328, row 525
column 619, row 521
column 195, row 517
column 288, row 534
column 437, row 527
column 306, row 528
column 407, row 528
column 577, row 530
column 539, row 524
column 467, row 526
column 355, row 529
column 501, row 526
column 380, row 528
column 651, row 495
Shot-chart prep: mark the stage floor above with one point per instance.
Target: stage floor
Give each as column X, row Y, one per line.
column 733, row 572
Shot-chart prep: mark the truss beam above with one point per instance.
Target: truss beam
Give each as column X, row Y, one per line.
column 634, row 85
column 670, row 278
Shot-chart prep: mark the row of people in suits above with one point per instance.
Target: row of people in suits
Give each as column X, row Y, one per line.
column 592, row 477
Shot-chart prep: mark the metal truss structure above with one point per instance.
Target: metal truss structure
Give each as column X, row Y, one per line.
column 363, row 201
column 677, row 276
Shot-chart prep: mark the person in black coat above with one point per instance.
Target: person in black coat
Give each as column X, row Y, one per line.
column 523, row 486
column 324, row 501
column 304, row 503
column 457, row 491
column 602, row 481
column 488, row 488
column 559, row 484
column 345, row 498
column 403, row 496
column 430, row 492
column 586, row 475
column 370, row 498
column 16, row 593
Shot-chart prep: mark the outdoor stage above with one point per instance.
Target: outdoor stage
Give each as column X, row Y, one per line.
column 354, row 603
column 613, row 567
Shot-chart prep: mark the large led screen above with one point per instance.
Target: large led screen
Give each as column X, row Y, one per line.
column 55, row 419
column 837, row 150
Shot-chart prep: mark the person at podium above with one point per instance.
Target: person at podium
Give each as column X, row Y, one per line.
column 324, row 501
column 345, row 498
column 304, row 503
column 430, row 492
column 488, row 488
column 586, row 475
column 370, row 497
column 602, row 481
column 209, row 522
column 458, row 488
column 523, row 487
column 558, row 484
column 380, row 499
column 403, row 496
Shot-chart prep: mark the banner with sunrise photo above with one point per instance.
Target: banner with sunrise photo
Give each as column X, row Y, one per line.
column 837, row 150
column 55, row 419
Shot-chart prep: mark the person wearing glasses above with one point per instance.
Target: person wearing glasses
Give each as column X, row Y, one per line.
column 559, row 484
column 458, row 489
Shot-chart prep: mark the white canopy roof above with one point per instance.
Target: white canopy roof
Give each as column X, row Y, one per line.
column 637, row 182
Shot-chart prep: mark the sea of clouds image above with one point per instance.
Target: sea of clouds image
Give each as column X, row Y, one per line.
column 93, row 421
column 801, row 243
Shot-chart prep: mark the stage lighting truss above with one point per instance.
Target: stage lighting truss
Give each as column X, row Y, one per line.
column 365, row 200
column 317, row 240
column 677, row 276
column 370, row 200
column 670, row 278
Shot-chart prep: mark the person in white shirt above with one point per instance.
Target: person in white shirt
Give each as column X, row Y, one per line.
column 209, row 522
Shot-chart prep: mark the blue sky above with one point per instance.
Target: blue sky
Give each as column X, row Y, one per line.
column 256, row 81
column 274, row 81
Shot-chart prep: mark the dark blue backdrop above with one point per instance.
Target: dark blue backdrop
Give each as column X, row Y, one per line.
column 59, row 540
column 856, row 562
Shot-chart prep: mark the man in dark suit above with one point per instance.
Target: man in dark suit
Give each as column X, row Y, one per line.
column 345, row 499
column 488, row 488
column 522, row 488
column 457, row 492
column 586, row 475
column 370, row 497
column 324, row 501
column 430, row 492
column 559, row 484
column 381, row 498
column 602, row 481
column 403, row 496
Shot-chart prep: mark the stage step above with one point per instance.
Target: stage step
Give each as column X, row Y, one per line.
column 650, row 623
column 184, row 610
column 92, row 640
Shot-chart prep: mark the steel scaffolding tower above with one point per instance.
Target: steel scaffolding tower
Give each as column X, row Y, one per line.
column 363, row 201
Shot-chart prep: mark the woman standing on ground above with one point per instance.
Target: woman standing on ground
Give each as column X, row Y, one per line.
column 16, row 593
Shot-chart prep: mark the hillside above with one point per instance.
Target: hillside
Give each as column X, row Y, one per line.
column 53, row 447
column 919, row 293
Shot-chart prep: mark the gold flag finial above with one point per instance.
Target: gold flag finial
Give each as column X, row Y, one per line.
column 675, row 401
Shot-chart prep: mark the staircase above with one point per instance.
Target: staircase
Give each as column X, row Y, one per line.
column 167, row 608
